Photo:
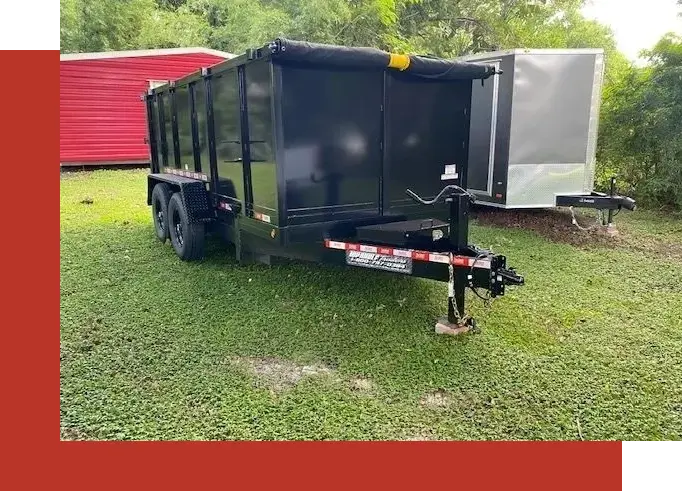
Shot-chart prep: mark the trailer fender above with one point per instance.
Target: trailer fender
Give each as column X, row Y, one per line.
column 192, row 191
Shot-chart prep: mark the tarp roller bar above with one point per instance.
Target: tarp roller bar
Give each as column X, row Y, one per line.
column 372, row 58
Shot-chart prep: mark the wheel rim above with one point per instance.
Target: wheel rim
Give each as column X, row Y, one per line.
column 178, row 228
column 159, row 217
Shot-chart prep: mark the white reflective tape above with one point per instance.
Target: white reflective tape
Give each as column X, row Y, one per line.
column 402, row 253
column 439, row 258
column 479, row 263
column 336, row 245
column 366, row 248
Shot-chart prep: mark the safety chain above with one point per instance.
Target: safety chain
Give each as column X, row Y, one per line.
column 598, row 222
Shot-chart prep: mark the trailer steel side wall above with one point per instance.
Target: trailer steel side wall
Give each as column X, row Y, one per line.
column 533, row 130
column 297, row 144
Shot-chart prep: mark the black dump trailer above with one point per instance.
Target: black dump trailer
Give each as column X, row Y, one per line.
column 331, row 154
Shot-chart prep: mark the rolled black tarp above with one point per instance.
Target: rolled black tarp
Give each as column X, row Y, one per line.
column 328, row 54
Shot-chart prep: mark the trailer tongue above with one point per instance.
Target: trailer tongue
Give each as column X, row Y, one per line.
column 467, row 266
column 329, row 154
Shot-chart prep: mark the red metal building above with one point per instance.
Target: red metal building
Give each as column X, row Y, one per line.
column 101, row 117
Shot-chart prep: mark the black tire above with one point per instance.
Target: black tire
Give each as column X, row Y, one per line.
column 161, row 195
column 187, row 238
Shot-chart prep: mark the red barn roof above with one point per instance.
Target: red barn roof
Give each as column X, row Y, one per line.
column 101, row 117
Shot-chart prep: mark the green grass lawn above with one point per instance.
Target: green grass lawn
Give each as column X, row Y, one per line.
column 154, row 348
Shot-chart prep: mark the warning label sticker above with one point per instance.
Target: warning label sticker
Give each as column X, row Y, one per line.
column 397, row 264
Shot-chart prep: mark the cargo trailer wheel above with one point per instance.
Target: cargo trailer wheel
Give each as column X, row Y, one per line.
column 161, row 196
column 187, row 238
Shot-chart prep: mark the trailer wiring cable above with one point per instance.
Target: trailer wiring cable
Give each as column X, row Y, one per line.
column 445, row 190
column 487, row 301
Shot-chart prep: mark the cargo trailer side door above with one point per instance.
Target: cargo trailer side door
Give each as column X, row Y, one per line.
column 483, row 130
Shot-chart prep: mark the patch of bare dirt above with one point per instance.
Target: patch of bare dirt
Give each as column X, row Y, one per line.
column 361, row 385
column 278, row 374
column 652, row 245
column 462, row 401
column 72, row 434
column 437, row 399
column 421, row 436
column 555, row 225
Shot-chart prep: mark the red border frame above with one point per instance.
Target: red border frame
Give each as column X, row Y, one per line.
column 30, row 136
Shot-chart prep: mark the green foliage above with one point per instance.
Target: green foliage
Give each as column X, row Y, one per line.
column 639, row 135
column 147, row 341
column 102, row 25
column 172, row 29
column 641, row 131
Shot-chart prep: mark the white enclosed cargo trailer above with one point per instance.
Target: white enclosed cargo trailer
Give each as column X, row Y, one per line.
column 534, row 129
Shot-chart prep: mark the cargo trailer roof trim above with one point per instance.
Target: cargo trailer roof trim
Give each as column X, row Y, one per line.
column 534, row 51
column 143, row 52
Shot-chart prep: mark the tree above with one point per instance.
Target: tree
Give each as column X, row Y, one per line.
column 641, row 132
column 640, row 115
column 101, row 25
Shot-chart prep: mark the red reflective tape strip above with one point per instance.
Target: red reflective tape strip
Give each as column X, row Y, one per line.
column 352, row 247
column 331, row 244
column 460, row 261
column 469, row 262
column 420, row 256
column 366, row 248
column 386, row 251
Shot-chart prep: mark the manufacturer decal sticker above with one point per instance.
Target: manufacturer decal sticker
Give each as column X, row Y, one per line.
column 396, row 264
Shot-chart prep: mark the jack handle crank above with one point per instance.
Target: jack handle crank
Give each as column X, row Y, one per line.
column 448, row 192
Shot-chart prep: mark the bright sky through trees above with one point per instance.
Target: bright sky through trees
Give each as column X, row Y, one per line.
column 637, row 24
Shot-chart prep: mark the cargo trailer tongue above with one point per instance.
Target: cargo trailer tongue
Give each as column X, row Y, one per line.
column 337, row 155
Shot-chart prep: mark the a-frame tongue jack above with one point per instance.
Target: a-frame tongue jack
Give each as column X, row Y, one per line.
column 456, row 322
